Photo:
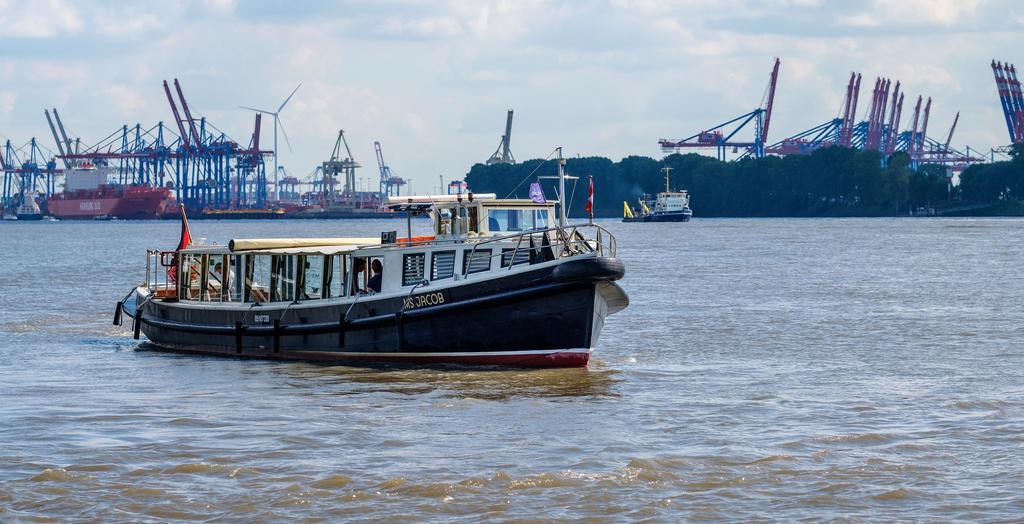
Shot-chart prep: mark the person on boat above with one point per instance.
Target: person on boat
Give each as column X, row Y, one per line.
column 378, row 274
column 218, row 275
column 358, row 267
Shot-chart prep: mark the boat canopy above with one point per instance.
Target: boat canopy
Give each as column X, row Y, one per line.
column 466, row 199
column 437, row 199
column 260, row 244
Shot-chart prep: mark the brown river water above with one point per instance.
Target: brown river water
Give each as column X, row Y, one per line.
column 804, row 369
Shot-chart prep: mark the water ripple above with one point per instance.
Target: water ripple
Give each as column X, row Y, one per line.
column 858, row 370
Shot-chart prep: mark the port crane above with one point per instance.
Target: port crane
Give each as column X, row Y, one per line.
column 26, row 172
column 880, row 131
column 390, row 185
column 62, row 140
column 721, row 136
column 503, row 155
column 1011, row 99
column 340, row 166
column 206, row 168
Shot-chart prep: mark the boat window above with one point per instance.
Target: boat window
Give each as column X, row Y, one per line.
column 335, row 274
column 442, row 265
column 195, row 280
column 376, row 275
column 257, row 278
column 222, row 281
column 204, row 278
column 461, row 226
column 413, row 268
column 475, row 262
column 309, row 278
column 360, row 274
column 540, row 219
column 474, row 219
column 282, row 283
column 522, row 256
column 444, row 223
column 506, row 219
column 184, row 277
column 192, row 272
column 236, row 266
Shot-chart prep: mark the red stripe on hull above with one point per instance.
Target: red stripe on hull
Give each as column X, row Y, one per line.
column 525, row 359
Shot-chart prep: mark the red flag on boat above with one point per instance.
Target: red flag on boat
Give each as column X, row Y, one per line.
column 590, row 200
column 186, row 240
column 186, row 237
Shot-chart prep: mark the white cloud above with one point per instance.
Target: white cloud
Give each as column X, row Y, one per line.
column 861, row 20
column 427, row 27
column 7, row 99
column 223, row 6
column 432, row 80
column 941, row 13
column 40, row 19
column 125, row 100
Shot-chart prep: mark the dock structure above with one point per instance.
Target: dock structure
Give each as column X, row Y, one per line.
column 723, row 136
column 1011, row 99
column 503, row 155
column 390, row 183
column 205, row 168
column 879, row 129
column 27, row 171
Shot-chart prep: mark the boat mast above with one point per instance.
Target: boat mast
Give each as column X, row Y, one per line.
column 666, row 170
column 561, row 189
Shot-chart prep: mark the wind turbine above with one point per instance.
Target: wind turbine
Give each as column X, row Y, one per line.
column 277, row 122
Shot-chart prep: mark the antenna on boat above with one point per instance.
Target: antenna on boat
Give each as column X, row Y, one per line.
column 666, row 170
column 561, row 189
column 562, row 177
column 408, row 224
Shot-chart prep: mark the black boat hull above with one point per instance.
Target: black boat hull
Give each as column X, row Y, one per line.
column 544, row 317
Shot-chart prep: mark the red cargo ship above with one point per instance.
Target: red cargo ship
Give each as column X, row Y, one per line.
column 88, row 194
column 112, row 202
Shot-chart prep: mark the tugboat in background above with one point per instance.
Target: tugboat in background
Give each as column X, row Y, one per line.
column 669, row 206
column 29, row 208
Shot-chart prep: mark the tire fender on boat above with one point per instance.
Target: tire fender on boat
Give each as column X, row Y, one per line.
column 590, row 270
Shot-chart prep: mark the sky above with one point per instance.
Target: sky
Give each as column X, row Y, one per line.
column 432, row 80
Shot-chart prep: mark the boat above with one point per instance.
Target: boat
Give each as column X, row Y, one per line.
column 29, row 208
column 89, row 194
column 668, row 206
column 496, row 283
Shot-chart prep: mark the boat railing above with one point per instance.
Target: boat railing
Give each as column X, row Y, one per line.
column 551, row 243
column 161, row 273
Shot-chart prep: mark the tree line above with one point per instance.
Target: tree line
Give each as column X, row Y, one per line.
column 1001, row 182
column 833, row 181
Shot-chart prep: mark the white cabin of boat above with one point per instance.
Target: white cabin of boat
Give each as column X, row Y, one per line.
column 672, row 202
